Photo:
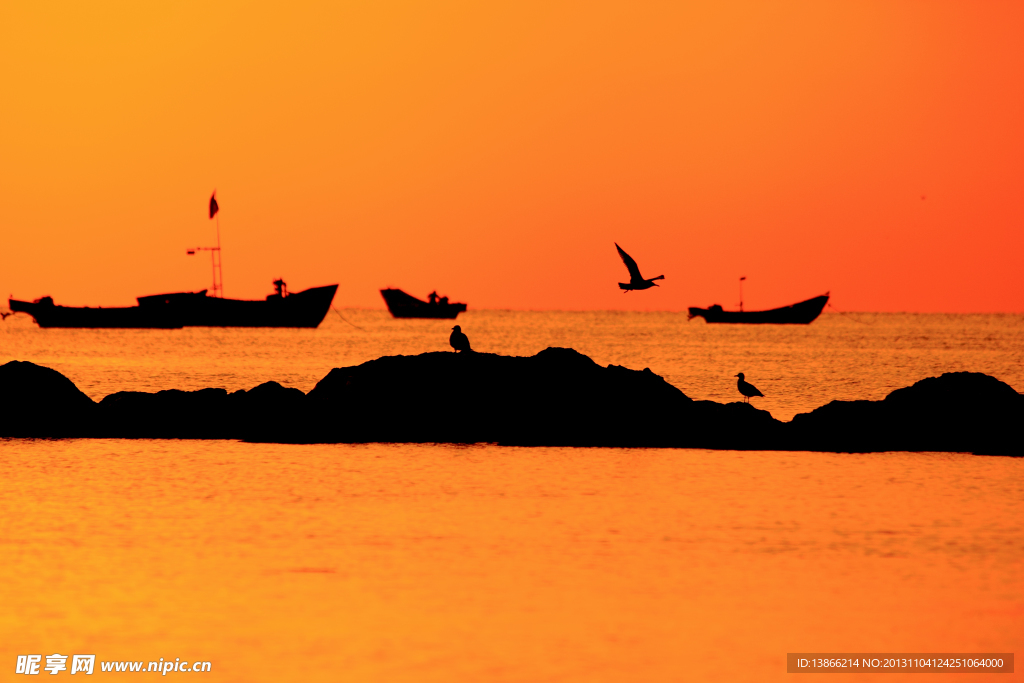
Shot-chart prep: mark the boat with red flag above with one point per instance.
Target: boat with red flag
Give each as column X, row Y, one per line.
column 801, row 313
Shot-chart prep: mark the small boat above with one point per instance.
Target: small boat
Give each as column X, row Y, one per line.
column 404, row 305
column 190, row 309
column 798, row 314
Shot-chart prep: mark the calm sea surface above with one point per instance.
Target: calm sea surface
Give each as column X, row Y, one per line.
column 481, row 563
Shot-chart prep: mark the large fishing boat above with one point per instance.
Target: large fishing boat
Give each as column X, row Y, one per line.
column 191, row 309
column 801, row 313
column 404, row 305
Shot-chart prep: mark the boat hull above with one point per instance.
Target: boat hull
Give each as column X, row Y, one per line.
column 47, row 314
column 189, row 309
column 404, row 305
column 802, row 313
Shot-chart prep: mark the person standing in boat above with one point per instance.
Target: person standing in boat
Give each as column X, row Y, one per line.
column 432, row 298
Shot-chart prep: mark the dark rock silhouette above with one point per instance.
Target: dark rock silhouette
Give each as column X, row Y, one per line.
column 557, row 397
column 202, row 414
column 38, row 401
column 959, row 411
column 166, row 414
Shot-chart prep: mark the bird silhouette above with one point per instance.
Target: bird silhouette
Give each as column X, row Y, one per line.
column 636, row 280
column 4, row 315
column 747, row 389
column 458, row 340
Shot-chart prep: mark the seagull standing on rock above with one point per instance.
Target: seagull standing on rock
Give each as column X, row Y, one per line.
column 747, row 389
column 458, row 340
column 636, row 280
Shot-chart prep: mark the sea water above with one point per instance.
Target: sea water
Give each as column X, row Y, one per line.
column 392, row 562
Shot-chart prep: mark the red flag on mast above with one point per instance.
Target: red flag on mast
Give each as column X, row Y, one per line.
column 214, row 208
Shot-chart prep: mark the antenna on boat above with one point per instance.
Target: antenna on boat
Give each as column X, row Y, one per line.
column 741, row 292
column 215, row 258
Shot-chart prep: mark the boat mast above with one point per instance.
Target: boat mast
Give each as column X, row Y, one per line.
column 218, row 274
column 218, row 271
column 741, row 291
column 215, row 257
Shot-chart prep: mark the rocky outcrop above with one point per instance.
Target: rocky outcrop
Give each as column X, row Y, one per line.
column 959, row 411
column 202, row 414
column 38, row 401
column 557, row 397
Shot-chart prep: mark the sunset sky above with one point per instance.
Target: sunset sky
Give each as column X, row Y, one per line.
column 495, row 151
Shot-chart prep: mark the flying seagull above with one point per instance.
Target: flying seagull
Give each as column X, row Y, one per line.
column 458, row 340
column 747, row 389
column 636, row 280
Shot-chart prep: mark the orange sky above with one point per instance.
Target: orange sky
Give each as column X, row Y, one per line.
column 494, row 151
